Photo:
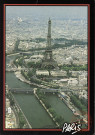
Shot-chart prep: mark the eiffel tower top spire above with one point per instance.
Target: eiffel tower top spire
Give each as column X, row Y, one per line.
column 49, row 34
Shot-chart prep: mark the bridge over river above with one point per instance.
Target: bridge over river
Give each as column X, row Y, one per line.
column 21, row 90
column 16, row 69
column 47, row 90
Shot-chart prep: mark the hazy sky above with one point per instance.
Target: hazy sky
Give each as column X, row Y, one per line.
column 72, row 12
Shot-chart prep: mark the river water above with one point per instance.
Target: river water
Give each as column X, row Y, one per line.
column 33, row 110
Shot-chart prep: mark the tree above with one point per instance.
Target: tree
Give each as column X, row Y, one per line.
column 12, row 102
column 21, row 120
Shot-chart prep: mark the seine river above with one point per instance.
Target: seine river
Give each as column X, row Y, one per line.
column 33, row 110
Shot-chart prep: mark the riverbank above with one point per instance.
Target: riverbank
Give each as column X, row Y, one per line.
column 75, row 111
column 46, row 108
column 11, row 118
column 22, row 78
column 71, row 107
column 20, row 110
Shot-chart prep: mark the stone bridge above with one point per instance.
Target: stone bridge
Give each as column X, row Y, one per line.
column 46, row 90
column 21, row 90
column 16, row 69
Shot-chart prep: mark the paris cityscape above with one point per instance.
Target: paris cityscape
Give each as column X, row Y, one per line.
column 46, row 67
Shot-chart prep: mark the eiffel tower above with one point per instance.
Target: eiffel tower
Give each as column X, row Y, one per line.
column 48, row 60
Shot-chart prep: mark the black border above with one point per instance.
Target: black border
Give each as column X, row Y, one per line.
column 91, row 2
